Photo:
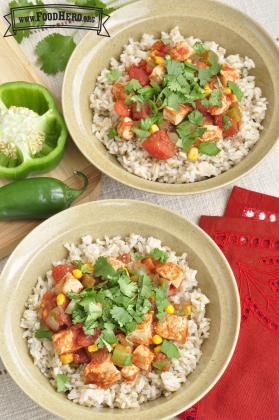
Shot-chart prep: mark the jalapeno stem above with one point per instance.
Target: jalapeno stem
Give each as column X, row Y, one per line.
column 73, row 193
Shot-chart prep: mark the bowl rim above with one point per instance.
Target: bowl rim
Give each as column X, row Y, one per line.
column 7, row 359
column 119, row 173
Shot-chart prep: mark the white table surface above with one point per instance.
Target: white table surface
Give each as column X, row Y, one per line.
column 265, row 178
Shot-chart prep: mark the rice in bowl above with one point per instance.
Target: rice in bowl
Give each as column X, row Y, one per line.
column 148, row 385
column 179, row 168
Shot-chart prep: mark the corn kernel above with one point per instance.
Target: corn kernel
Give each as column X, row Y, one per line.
column 227, row 91
column 207, row 90
column 189, row 60
column 193, row 153
column 92, row 348
column 159, row 60
column 157, row 339
column 77, row 273
column 157, row 349
column 169, row 309
column 60, row 299
column 89, row 267
column 189, row 309
column 66, row 358
column 148, row 59
column 154, row 128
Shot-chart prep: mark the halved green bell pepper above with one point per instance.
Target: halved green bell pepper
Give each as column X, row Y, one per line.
column 33, row 133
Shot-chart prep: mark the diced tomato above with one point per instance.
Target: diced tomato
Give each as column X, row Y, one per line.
column 140, row 111
column 81, row 357
column 159, row 145
column 208, row 119
column 232, row 130
column 125, row 258
column 118, row 91
column 86, row 340
column 160, row 48
column 48, row 303
column 149, row 264
column 172, row 290
column 138, row 73
column 59, row 271
column 122, row 109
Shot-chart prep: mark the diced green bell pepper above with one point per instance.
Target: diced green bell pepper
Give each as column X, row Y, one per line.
column 33, row 133
column 121, row 356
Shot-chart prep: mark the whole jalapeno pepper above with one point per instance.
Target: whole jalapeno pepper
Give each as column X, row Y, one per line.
column 37, row 198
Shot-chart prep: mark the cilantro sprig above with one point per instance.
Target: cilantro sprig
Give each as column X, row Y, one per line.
column 158, row 254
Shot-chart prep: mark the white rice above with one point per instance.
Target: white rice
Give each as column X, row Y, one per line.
column 145, row 387
column 177, row 169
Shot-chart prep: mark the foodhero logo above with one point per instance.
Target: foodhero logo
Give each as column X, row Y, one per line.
column 56, row 16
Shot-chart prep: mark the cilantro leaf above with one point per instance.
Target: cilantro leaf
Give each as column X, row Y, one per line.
column 54, row 51
column 199, row 47
column 204, row 75
column 236, row 90
column 127, row 287
column 113, row 75
column 120, row 315
column 43, row 333
column 146, row 123
column 174, row 67
column 158, row 254
column 170, row 350
column 102, row 268
column 213, row 60
column 209, row 149
column 62, row 381
column 161, row 301
column 133, row 84
column 214, row 99
column 146, row 287
column 174, row 100
column 78, row 315
column 196, row 117
column 112, row 133
column 227, row 122
column 142, row 134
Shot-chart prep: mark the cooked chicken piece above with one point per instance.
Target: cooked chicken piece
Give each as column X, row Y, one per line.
column 129, row 373
column 175, row 117
column 101, row 371
column 143, row 332
column 118, row 91
column 181, row 51
column 173, row 328
column 213, row 134
column 218, row 110
column 172, row 272
column 124, row 128
column 65, row 341
column 68, row 284
column 143, row 357
column 115, row 263
column 158, row 73
column 229, row 74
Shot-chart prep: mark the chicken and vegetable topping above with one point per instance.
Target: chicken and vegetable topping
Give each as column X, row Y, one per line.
column 115, row 317
column 178, row 98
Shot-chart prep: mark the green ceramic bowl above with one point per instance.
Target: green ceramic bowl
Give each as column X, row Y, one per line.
column 44, row 244
column 207, row 19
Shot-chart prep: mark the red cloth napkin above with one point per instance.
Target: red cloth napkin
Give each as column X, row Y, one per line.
column 249, row 388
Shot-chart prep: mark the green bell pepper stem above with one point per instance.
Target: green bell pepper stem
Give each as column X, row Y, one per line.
column 22, row 153
column 37, row 198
